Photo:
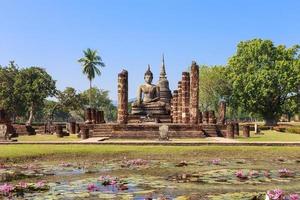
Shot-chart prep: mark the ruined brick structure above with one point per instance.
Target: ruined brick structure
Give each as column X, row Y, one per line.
column 123, row 97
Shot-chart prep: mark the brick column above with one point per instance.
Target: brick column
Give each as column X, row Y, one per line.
column 185, row 97
column 194, row 94
column 123, row 97
column 94, row 115
column 200, row 118
column 246, row 131
column 230, row 131
column 175, row 106
column 179, row 103
column 88, row 115
column 222, row 112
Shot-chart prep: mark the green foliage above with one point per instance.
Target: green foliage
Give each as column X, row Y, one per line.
column 213, row 86
column 293, row 130
column 8, row 99
column 89, row 62
column 263, row 77
column 35, row 84
column 100, row 100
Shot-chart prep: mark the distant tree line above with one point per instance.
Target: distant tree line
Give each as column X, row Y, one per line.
column 25, row 92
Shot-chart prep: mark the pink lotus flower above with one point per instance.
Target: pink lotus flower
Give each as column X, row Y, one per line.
column 92, row 187
column 108, row 180
column 294, row 197
column 240, row 174
column 276, row 194
column 23, row 185
column 40, row 184
column 216, row 161
column 285, row 173
column 6, row 189
column 2, row 166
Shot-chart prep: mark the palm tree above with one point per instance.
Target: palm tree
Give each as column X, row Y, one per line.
column 89, row 62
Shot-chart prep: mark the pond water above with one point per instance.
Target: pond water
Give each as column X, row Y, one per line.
column 145, row 179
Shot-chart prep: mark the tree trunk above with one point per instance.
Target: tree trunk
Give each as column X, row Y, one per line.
column 270, row 121
column 90, row 94
column 29, row 122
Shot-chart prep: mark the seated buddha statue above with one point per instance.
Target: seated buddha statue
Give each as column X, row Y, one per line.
column 148, row 99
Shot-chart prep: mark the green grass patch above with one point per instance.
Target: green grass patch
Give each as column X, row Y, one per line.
column 270, row 136
column 41, row 150
column 35, row 138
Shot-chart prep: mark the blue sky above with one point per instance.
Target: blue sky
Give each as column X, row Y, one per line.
column 133, row 33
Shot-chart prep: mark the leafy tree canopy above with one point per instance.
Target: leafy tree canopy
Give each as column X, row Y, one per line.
column 213, row 86
column 263, row 77
column 35, row 84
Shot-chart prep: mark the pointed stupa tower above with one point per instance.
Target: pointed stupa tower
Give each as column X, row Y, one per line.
column 165, row 92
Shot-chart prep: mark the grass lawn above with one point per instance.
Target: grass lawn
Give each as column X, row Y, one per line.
column 271, row 136
column 42, row 150
column 38, row 137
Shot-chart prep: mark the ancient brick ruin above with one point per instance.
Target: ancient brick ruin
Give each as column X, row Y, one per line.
column 179, row 111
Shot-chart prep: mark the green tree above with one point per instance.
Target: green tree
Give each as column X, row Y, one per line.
column 89, row 62
column 263, row 76
column 101, row 101
column 35, row 84
column 213, row 86
column 8, row 99
column 70, row 101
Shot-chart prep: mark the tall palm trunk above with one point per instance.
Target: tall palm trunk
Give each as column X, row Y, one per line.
column 90, row 94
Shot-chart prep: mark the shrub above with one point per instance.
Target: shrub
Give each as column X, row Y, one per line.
column 293, row 130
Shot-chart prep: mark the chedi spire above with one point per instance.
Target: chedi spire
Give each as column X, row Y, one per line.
column 165, row 92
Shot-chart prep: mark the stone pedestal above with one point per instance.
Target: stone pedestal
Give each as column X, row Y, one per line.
column 175, row 107
column 179, row 103
column 164, row 132
column 194, row 94
column 211, row 117
column 123, row 97
column 3, row 132
column 236, row 128
column 246, row 131
column 88, row 115
column 185, row 97
column 84, row 132
column 230, row 131
column 222, row 112
column 59, row 130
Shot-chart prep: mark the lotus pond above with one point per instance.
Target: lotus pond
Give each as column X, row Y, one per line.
column 137, row 173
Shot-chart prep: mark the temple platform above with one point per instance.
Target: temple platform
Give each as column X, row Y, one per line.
column 151, row 130
column 136, row 118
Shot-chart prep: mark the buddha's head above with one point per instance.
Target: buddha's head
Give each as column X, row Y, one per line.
column 148, row 77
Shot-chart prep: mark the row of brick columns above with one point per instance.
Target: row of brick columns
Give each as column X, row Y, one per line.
column 185, row 101
column 94, row 116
